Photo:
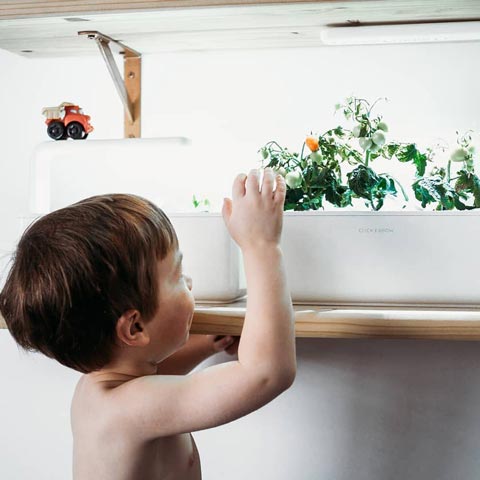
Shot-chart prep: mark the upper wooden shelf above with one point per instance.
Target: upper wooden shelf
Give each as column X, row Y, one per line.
column 50, row 28
column 351, row 322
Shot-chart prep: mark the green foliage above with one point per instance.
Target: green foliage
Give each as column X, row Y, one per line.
column 410, row 153
column 201, row 203
column 316, row 176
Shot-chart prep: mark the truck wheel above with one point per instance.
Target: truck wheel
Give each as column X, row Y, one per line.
column 75, row 130
column 56, row 130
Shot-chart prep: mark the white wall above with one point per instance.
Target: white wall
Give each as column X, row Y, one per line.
column 363, row 409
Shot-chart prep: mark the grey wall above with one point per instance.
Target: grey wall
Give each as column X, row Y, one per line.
column 359, row 409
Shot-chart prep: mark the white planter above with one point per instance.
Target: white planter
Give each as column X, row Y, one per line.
column 210, row 256
column 383, row 258
column 346, row 258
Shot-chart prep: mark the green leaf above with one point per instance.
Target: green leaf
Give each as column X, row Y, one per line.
column 411, row 154
column 361, row 180
column 391, row 149
column 470, row 183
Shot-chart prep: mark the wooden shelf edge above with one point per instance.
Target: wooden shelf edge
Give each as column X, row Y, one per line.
column 314, row 326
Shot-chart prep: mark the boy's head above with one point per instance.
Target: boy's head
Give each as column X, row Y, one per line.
column 78, row 269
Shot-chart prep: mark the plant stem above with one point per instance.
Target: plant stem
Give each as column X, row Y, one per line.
column 398, row 183
column 301, row 153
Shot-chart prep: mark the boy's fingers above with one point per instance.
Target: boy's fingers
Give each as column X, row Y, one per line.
column 280, row 190
column 238, row 189
column 222, row 342
column 267, row 185
column 252, row 183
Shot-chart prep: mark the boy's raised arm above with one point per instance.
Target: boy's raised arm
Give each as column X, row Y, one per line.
column 156, row 405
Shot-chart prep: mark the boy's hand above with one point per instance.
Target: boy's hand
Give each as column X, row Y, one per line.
column 254, row 216
column 227, row 343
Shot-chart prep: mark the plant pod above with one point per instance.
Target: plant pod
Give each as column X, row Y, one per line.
column 378, row 138
column 280, row 170
column 293, row 179
column 264, row 152
column 474, row 158
column 459, row 155
column 374, row 148
column 357, row 129
column 316, row 157
column 312, row 144
column 382, row 126
column 365, row 143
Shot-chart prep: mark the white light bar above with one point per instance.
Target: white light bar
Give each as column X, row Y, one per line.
column 407, row 33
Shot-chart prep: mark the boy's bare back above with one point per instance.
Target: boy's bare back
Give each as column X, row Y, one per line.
column 137, row 427
column 104, row 448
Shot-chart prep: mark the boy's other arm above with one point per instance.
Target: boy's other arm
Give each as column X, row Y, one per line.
column 197, row 349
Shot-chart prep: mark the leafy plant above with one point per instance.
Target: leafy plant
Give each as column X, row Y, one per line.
column 438, row 186
column 315, row 174
column 199, row 203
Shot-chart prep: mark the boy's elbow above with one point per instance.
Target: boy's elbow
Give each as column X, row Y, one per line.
column 284, row 380
column 290, row 378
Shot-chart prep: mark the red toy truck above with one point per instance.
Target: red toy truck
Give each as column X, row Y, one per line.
column 67, row 120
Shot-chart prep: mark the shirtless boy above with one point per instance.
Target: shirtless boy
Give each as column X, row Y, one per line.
column 98, row 286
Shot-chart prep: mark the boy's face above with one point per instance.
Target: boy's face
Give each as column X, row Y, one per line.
column 171, row 324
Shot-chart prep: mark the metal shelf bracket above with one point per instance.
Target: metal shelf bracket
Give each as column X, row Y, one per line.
column 129, row 88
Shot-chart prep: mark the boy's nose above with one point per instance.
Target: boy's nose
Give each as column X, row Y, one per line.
column 189, row 282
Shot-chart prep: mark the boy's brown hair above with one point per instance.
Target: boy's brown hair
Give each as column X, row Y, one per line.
column 78, row 269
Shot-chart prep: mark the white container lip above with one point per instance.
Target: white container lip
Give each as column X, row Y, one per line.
column 193, row 214
column 447, row 213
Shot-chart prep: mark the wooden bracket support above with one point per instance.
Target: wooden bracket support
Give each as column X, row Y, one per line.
column 130, row 87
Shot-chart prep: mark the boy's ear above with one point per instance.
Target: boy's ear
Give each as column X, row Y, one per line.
column 131, row 329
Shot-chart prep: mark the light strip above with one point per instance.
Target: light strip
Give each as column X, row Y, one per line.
column 406, row 33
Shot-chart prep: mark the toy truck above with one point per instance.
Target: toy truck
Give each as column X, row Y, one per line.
column 67, row 120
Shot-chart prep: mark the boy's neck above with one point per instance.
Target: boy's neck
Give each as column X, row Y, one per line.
column 126, row 368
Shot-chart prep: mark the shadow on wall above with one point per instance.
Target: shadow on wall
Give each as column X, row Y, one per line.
column 389, row 409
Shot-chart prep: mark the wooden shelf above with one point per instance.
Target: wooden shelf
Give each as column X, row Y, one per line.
column 352, row 322
column 48, row 28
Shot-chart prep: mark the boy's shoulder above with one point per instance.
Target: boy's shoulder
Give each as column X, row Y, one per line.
column 100, row 404
column 95, row 394
column 100, row 391
column 154, row 406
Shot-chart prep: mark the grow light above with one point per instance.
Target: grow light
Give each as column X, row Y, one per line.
column 405, row 33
